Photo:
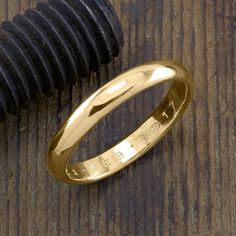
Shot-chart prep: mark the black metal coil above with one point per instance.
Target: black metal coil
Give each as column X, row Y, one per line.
column 53, row 45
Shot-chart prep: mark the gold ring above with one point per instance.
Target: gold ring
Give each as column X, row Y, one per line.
column 104, row 101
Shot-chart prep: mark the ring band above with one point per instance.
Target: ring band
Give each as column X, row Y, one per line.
column 104, row 101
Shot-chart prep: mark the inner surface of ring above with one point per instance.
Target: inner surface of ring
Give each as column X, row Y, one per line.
column 137, row 143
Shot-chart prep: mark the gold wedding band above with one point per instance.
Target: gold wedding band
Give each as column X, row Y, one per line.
column 104, row 101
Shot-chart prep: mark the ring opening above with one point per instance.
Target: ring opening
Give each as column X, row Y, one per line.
column 135, row 144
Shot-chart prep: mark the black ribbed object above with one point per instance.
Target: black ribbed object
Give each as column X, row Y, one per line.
column 54, row 45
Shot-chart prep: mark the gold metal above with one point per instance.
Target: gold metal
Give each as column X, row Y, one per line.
column 104, row 101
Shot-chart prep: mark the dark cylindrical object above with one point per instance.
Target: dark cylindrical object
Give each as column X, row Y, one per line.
column 53, row 45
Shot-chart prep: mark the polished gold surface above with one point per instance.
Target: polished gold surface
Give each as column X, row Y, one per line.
column 104, row 101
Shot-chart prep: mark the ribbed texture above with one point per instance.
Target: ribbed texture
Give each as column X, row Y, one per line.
column 53, row 45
